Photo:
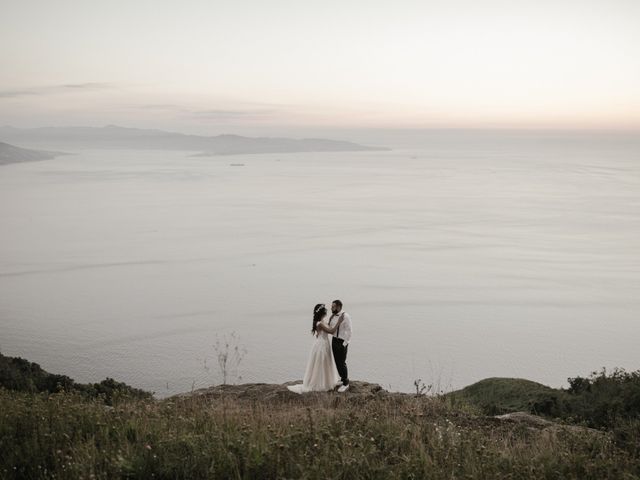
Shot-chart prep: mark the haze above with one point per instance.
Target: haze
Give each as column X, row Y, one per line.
column 246, row 67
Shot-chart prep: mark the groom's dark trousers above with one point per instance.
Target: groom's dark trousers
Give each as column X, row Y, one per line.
column 340, row 356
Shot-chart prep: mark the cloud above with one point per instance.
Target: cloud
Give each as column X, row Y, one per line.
column 162, row 107
column 55, row 89
column 222, row 114
column 16, row 93
column 228, row 114
column 88, row 86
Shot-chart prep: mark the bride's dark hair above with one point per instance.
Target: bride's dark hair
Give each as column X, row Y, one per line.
column 319, row 312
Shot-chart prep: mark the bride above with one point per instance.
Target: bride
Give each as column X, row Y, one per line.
column 321, row 374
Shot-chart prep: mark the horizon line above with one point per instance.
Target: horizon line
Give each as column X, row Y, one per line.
column 617, row 129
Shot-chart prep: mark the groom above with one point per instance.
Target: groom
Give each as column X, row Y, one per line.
column 340, row 342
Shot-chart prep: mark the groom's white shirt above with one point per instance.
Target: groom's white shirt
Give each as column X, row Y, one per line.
column 345, row 327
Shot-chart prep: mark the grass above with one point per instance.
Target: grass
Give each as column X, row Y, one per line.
column 53, row 427
column 69, row 436
column 495, row 396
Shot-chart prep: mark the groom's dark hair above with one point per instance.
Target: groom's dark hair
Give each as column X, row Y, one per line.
column 338, row 302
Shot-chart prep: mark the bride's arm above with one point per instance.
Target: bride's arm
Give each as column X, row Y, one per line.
column 331, row 330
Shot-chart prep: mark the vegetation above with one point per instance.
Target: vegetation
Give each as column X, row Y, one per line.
column 494, row 396
column 67, row 435
column 603, row 400
column 20, row 374
column 229, row 354
column 606, row 401
column 264, row 431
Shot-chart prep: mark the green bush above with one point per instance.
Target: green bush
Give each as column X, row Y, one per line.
column 24, row 376
column 603, row 400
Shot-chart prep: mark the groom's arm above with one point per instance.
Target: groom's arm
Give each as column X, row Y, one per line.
column 345, row 330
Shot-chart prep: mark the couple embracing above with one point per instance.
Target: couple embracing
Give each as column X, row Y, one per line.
column 327, row 364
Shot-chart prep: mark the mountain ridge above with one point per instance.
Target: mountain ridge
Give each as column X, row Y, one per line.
column 117, row 137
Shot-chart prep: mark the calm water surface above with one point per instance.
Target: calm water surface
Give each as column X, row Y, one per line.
column 458, row 259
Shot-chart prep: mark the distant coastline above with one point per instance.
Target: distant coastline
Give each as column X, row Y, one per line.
column 116, row 137
column 11, row 154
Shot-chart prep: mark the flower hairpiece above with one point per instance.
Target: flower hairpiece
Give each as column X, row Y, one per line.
column 320, row 307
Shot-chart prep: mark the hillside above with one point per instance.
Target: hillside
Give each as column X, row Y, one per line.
column 12, row 154
column 495, row 396
column 113, row 136
column 234, row 433
column 265, row 431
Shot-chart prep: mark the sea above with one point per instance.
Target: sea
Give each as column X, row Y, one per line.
column 460, row 255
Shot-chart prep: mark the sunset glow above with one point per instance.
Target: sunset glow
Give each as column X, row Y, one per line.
column 225, row 65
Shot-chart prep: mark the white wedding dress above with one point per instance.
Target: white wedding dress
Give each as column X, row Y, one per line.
column 321, row 374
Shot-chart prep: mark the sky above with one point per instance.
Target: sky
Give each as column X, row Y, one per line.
column 234, row 66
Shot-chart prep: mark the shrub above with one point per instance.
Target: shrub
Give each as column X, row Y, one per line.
column 21, row 375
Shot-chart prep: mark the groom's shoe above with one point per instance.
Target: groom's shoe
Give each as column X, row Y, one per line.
column 343, row 388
